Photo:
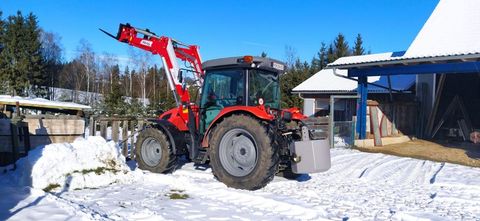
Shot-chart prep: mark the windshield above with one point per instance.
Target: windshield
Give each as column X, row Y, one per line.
column 263, row 84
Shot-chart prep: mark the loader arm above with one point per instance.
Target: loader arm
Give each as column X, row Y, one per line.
column 169, row 50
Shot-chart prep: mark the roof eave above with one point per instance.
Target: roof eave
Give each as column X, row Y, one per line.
column 409, row 61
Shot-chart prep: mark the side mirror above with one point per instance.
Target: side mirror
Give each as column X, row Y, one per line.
column 287, row 116
column 180, row 76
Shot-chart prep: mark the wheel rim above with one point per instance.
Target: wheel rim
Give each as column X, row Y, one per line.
column 238, row 152
column 151, row 151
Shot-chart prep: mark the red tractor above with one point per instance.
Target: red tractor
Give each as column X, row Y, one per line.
column 236, row 122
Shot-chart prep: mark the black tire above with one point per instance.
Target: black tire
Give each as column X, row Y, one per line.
column 153, row 152
column 260, row 172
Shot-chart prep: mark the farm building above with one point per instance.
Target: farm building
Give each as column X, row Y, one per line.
column 444, row 60
column 326, row 86
column 30, row 122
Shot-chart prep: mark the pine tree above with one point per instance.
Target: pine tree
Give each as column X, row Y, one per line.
column 331, row 54
column 3, row 63
column 320, row 61
column 35, row 71
column 264, row 54
column 341, row 46
column 296, row 74
column 126, row 81
column 21, row 58
column 358, row 48
column 114, row 103
column 13, row 56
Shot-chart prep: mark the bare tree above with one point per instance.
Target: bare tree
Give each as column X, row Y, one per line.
column 141, row 60
column 52, row 56
column 290, row 55
column 108, row 61
column 72, row 76
column 86, row 57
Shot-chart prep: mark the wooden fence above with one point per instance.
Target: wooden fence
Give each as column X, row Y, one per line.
column 14, row 140
column 391, row 120
column 123, row 130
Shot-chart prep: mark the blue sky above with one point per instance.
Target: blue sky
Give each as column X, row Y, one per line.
column 231, row 28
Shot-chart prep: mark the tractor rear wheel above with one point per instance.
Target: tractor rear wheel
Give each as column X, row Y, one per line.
column 153, row 151
column 241, row 153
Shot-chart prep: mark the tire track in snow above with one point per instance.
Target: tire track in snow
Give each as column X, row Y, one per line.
column 389, row 171
column 254, row 201
column 336, row 194
column 80, row 206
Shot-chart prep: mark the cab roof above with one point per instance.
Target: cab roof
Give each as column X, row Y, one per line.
column 263, row 63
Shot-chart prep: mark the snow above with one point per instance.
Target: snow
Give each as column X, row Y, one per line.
column 452, row 29
column 359, row 59
column 40, row 101
column 71, row 166
column 359, row 186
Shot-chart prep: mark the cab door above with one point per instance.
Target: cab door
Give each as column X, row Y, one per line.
column 221, row 88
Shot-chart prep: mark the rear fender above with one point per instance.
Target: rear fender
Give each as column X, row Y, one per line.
column 172, row 133
column 256, row 112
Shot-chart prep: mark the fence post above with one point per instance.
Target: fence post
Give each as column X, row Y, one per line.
column 115, row 130
column 92, row 127
column 125, row 138
column 14, row 134
column 103, row 129
column 26, row 137
column 132, row 139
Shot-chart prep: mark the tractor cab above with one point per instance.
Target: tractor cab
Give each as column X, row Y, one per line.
column 239, row 81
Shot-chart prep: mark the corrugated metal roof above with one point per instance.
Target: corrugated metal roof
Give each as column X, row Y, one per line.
column 325, row 81
column 451, row 32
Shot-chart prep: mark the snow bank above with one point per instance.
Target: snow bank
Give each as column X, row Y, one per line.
column 85, row 163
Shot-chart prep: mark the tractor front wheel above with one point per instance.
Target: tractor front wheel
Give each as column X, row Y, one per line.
column 242, row 153
column 153, row 152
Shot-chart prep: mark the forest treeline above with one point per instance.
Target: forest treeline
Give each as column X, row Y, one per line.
column 32, row 64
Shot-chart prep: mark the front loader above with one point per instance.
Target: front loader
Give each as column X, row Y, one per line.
column 236, row 123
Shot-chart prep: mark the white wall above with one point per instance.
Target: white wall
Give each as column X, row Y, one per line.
column 308, row 106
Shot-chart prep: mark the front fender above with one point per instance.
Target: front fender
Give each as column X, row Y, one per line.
column 172, row 133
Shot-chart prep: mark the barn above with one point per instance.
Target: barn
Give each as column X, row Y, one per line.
column 443, row 60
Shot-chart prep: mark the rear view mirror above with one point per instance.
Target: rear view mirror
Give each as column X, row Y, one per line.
column 287, row 116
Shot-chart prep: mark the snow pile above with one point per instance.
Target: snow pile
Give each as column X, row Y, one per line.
column 85, row 163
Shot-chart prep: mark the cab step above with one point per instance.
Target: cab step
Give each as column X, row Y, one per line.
column 202, row 156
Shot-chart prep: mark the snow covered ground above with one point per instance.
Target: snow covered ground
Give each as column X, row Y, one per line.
column 359, row 186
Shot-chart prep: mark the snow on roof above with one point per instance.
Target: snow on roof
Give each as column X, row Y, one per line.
column 453, row 29
column 369, row 58
column 40, row 102
column 325, row 81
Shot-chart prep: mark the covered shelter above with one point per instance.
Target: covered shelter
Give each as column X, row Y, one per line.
column 317, row 90
column 445, row 57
